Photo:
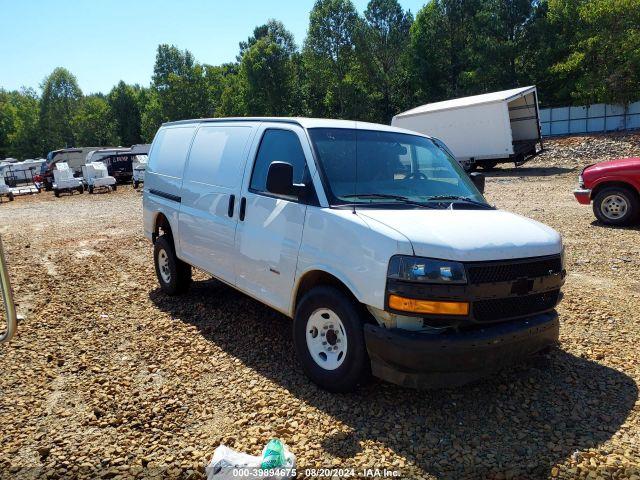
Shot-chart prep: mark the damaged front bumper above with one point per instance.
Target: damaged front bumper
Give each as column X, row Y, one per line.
column 422, row 360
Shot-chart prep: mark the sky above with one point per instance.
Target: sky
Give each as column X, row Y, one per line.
column 104, row 41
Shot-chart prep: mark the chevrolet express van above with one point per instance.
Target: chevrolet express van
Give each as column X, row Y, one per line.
column 371, row 238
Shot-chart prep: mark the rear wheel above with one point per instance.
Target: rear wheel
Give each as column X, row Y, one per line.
column 174, row 275
column 11, row 196
column 616, row 206
column 56, row 193
column 329, row 340
column 115, row 187
column 80, row 189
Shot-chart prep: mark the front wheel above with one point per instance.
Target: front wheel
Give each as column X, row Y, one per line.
column 329, row 340
column 114, row 187
column 11, row 196
column 174, row 276
column 616, row 206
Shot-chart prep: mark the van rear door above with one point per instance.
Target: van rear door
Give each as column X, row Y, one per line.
column 270, row 226
column 210, row 196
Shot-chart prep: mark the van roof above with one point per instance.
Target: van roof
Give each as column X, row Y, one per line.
column 304, row 122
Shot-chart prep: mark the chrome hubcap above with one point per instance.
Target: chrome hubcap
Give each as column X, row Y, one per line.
column 614, row 206
column 163, row 266
column 326, row 339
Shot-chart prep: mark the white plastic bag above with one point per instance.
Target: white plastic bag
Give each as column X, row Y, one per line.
column 228, row 464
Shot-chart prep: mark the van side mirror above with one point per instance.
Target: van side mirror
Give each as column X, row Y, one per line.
column 280, row 180
column 478, row 180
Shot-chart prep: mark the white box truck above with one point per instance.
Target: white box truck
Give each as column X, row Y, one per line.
column 482, row 130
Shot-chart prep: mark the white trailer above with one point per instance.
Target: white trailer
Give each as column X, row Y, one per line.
column 96, row 177
column 482, row 130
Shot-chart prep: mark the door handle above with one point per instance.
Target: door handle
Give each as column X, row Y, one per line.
column 7, row 297
column 243, row 207
column 232, row 202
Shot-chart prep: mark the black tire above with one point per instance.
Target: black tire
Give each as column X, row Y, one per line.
column 56, row 193
column 616, row 206
column 11, row 196
column 90, row 189
column 136, row 184
column 488, row 165
column 80, row 189
column 177, row 276
column 115, row 187
column 355, row 367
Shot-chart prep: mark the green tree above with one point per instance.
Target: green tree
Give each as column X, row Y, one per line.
column 382, row 52
column 151, row 117
column 328, row 57
column 26, row 141
column 8, row 122
column 604, row 60
column 268, row 69
column 276, row 31
column 94, row 124
column 444, row 38
column 59, row 104
column 125, row 107
column 180, row 85
column 502, row 39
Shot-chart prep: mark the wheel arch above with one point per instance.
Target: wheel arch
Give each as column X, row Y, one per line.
column 316, row 277
column 161, row 225
column 614, row 183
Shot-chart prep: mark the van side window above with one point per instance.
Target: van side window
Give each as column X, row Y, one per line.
column 278, row 146
column 216, row 155
column 169, row 150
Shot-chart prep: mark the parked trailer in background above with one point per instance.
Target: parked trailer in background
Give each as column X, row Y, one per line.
column 482, row 130
column 75, row 158
column 21, row 177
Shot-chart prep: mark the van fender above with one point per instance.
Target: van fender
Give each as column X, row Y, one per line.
column 340, row 276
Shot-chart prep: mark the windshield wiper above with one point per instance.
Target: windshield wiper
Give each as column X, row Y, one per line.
column 398, row 198
column 460, row 198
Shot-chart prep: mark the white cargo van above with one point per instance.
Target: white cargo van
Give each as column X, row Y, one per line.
column 372, row 238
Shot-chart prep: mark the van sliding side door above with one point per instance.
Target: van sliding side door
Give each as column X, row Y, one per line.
column 211, row 194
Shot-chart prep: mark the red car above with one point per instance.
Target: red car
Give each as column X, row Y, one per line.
column 614, row 187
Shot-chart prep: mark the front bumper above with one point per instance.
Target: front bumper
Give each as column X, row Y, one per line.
column 583, row 195
column 433, row 361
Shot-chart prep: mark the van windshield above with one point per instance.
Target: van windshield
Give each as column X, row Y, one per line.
column 370, row 167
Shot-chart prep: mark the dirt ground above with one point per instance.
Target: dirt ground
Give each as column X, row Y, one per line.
column 108, row 377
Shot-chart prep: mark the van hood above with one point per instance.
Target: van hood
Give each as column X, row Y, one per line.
column 469, row 235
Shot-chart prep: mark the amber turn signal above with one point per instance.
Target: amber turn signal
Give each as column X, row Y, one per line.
column 428, row 306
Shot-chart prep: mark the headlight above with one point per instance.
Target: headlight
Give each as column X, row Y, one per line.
column 426, row 270
column 580, row 181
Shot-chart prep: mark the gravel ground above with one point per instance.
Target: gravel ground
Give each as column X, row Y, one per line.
column 108, row 377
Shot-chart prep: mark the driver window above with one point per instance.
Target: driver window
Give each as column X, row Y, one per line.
column 278, row 146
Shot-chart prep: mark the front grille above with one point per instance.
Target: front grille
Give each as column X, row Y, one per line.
column 512, row 270
column 504, row 308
